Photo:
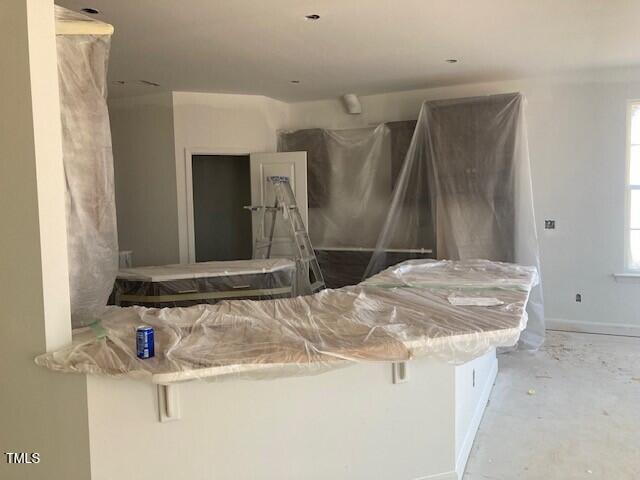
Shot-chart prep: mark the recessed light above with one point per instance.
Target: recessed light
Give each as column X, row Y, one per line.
column 295, row 81
column 313, row 17
column 91, row 11
column 451, row 60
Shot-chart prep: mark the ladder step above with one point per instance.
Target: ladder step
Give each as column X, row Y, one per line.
column 285, row 203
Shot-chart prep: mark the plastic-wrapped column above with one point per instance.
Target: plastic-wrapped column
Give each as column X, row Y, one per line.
column 88, row 165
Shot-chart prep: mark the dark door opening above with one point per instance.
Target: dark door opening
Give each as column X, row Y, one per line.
column 221, row 188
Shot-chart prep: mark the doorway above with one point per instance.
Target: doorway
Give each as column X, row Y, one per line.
column 221, row 188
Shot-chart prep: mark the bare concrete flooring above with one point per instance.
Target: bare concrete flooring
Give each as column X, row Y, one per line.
column 569, row 411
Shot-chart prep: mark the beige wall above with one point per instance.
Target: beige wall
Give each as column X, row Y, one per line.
column 153, row 135
column 577, row 136
column 145, row 177
column 350, row 423
column 39, row 411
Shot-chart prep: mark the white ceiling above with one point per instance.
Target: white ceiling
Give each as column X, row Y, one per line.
column 360, row 46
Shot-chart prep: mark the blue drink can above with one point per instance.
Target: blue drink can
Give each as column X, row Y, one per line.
column 144, row 342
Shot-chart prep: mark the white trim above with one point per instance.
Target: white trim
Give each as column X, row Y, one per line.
column 602, row 328
column 185, row 217
column 441, row 476
column 83, row 27
column 627, row 277
column 628, row 188
column 481, row 406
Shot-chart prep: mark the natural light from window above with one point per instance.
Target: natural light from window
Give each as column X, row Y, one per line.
column 633, row 209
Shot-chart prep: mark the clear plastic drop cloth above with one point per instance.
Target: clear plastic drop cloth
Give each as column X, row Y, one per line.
column 465, row 192
column 405, row 312
column 349, row 184
column 351, row 174
column 88, row 166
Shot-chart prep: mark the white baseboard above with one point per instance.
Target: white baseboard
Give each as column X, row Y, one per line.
column 592, row 327
column 441, row 476
column 465, row 449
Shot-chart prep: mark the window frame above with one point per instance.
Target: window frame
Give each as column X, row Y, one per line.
column 628, row 188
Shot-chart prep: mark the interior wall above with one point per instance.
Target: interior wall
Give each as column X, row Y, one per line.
column 207, row 123
column 40, row 412
column 314, row 427
column 577, row 138
column 145, row 177
column 577, row 135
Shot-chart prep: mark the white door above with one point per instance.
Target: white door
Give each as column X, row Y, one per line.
column 287, row 164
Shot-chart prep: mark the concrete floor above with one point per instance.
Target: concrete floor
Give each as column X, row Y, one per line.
column 569, row 411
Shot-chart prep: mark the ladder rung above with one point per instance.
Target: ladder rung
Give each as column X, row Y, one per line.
column 286, row 202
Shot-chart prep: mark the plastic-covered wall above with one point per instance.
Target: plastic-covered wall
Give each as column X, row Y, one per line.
column 351, row 174
column 466, row 177
column 349, row 183
column 88, row 167
column 456, row 185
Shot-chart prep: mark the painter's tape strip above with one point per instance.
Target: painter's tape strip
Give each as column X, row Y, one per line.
column 98, row 329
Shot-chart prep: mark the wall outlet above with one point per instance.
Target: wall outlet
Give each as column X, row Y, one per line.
column 578, row 297
column 549, row 224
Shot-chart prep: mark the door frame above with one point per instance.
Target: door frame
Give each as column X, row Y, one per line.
column 298, row 183
column 185, row 215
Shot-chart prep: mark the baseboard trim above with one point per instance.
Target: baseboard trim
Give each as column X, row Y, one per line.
column 470, row 436
column 601, row 328
column 441, row 476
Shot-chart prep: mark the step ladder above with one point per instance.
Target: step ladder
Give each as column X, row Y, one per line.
column 309, row 277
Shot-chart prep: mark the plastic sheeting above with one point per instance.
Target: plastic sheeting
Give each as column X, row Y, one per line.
column 88, row 165
column 456, row 184
column 349, row 183
column 193, row 271
column 465, row 190
column 351, row 174
column 205, row 282
column 402, row 313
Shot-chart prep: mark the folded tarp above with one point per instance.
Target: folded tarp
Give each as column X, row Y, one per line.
column 402, row 313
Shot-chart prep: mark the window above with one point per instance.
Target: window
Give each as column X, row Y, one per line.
column 633, row 188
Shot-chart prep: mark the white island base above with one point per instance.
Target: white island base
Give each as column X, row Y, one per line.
column 350, row 423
